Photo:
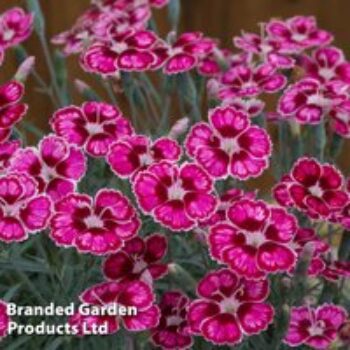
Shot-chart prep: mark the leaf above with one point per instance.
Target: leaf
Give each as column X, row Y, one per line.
column 18, row 342
column 11, row 292
column 56, row 344
column 32, row 287
column 24, row 266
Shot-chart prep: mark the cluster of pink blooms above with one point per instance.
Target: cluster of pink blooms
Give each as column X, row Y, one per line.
column 322, row 92
column 142, row 50
column 176, row 184
column 15, row 27
column 103, row 15
column 113, row 36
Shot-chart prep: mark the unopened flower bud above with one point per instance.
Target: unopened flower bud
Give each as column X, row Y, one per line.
column 307, row 252
column 310, row 300
column 81, row 86
column 344, row 333
column 219, row 54
column 286, row 309
column 273, row 117
column 295, row 128
column 213, row 87
column 286, row 282
column 179, row 128
column 181, row 274
column 304, row 260
column 171, row 37
column 25, row 69
column 86, row 91
column 200, row 235
column 172, row 268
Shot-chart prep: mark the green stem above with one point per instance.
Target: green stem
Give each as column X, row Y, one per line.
column 283, row 146
column 21, row 55
column 151, row 97
column 344, row 248
column 187, row 91
column 335, row 146
column 328, row 293
column 168, row 86
column 129, row 93
column 320, row 141
column 51, row 68
column 165, row 122
column 151, row 89
column 32, row 129
column 108, row 87
column 174, row 9
column 296, row 141
column 183, row 276
column 282, row 314
column 204, row 255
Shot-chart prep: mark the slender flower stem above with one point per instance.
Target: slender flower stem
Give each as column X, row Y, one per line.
column 296, row 139
column 39, row 79
column 283, row 146
column 39, row 25
column 51, row 68
column 168, row 87
column 108, row 87
column 45, row 89
column 22, row 55
column 344, row 248
column 146, row 87
column 320, row 141
column 164, row 124
column 32, row 129
column 335, row 146
column 187, row 91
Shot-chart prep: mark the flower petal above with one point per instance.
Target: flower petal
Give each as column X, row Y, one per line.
column 144, row 319
column 255, row 317
column 274, row 257
column 36, row 213
column 138, row 294
column 172, row 214
column 221, row 329
column 199, row 205
column 200, row 310
column 117, row 266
